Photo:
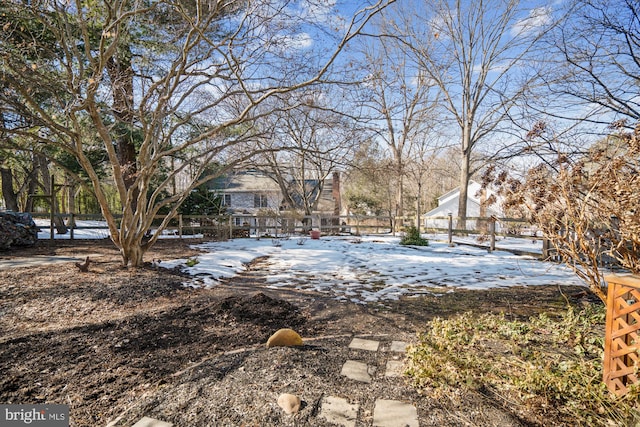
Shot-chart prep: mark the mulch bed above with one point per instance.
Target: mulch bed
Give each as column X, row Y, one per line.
column 119, row 344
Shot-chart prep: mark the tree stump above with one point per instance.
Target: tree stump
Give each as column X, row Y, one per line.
column 83, row 266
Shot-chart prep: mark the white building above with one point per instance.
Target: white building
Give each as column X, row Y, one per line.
column 476, row 207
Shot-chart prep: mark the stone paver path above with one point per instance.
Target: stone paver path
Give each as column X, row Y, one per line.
column 339, row 411
column 356, row 371
column 344, row 412
column 150, row 422
column 362, row 344
column 386, row 413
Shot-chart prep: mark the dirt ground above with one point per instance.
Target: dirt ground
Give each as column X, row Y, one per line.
column 118, row 344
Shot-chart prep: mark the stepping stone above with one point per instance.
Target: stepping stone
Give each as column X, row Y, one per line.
column 394, row 368
column 338, row 411
column 360, row 344
column 150, row 422
column 393, row 413
column 356, row 371
column 398, row 346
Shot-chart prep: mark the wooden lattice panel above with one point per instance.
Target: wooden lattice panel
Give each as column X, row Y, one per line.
column 621, row 346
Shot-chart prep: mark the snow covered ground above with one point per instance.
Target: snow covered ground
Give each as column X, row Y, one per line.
column 373, row 268
column 368, row 268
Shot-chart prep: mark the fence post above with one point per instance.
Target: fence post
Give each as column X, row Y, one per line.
column 180, row 226
column 492, row 231
column 546, row 246
column 73, row 221
column 450, row 233
column 52, row 217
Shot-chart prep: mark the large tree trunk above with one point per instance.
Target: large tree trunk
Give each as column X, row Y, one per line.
column 464, row 177
column 419, row 205
column 71, row 201
column 50, row 190
column 6, row 175
column 121, row 74
column 8, row 193
column 133, row 253
column 464, row 190
column 399, row 193
column 32, row 185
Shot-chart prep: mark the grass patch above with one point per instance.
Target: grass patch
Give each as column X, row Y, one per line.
column 551, row 363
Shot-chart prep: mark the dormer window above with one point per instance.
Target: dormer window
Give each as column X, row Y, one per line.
column 260, row 201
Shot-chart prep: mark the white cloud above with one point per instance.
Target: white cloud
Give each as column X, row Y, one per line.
column 538, row 18
column 286, row 42
column 320, row 11
column 497, row 67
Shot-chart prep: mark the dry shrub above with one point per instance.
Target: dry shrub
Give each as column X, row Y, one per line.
column 587, row 207
column 542, row 365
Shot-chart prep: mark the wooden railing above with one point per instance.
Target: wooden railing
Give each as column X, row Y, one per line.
column 241, row 225
column 225, row 226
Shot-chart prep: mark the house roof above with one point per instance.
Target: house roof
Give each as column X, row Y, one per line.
column 254, row 181
column 249, row 181
column 472, row 190
column 448, row 202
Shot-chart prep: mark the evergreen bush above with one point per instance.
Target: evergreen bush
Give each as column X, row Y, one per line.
column 412, row 237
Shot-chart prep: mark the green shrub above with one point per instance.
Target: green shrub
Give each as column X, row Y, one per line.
column 192, row 262
column 550, row 363
column 412, row 237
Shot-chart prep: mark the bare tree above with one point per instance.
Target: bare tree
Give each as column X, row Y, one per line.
column 585, row 206
column 420, row 171
column 156, row 82
column 592, row 66
column 401, row 108
column 368, row 189
column 476, row 53
column 312, row 137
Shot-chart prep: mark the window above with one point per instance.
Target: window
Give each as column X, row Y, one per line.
column 226, row 200
column 260, row 201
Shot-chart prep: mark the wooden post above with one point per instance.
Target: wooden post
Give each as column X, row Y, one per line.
column 73, row 221
column 450, row 234
column 52, row 216
column 548, row 251
column 492, row 231
column 180, row 223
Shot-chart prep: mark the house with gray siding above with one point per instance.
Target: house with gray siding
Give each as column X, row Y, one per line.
column 252, row 192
